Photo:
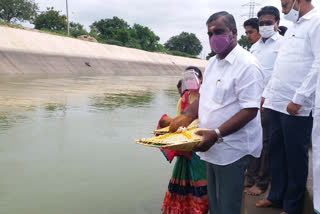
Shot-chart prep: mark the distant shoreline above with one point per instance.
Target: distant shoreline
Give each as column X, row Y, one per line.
column 27, row 51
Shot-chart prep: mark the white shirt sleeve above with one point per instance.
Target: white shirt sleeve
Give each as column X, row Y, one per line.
column 309, row 84
column 249, row 87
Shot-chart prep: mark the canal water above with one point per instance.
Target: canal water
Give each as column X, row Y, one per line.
column 67, row 144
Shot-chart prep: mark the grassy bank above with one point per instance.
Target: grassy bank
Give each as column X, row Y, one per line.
column 3, row 23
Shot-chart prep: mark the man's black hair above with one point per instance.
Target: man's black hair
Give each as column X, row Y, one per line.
column 227, row 18
column 282, row 30
column 197, row 71
column 270, row 10
column 253, row 22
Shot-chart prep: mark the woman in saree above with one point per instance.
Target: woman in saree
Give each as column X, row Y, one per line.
column 187, row 189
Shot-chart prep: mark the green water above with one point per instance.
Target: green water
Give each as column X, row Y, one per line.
column 67, row 144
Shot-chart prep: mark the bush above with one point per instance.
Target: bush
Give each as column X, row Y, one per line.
column 113, row 42
column 179, row 53
column 133, row 43
column 56, row 32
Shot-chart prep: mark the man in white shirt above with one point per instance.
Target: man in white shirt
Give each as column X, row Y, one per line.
column 290, row 97
column 266, row 51
column 228, row 106
column 251, row 27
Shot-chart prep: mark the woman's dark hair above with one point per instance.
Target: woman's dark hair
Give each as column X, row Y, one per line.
column 179, row 84
column 197, row 71
column 253, row 22
column 270, row 10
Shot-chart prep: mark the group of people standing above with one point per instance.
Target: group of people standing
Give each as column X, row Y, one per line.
column 260, row 108
column 290, row 66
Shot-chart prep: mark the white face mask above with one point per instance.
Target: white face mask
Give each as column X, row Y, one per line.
column 293, row 14
column 266, row 31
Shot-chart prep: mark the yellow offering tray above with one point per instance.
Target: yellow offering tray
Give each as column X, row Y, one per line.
column 165, row 130
column 183, row 141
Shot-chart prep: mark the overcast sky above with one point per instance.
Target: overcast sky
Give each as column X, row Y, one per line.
column 165, row 18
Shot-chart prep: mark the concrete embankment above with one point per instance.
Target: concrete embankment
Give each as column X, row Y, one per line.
column 26, row 51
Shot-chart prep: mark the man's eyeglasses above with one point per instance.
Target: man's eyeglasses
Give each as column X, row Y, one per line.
column 266, row 23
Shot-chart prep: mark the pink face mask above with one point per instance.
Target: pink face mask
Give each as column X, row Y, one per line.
column 219, row 43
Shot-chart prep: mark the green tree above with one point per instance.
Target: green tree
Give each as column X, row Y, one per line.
column 123, row 36
column 146, row 38
column 17, row 10
column 118, row 32
column 77, row 29
column 51, row 20
column 185, row 42
column 243, row 41
column 161, row 48
column 111, row 29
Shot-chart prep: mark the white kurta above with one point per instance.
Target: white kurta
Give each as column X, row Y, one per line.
column 266, row 53
column 230, row 85
column 296, row 68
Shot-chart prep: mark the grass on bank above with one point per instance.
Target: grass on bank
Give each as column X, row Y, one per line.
column 109, row 42
column 3, row 23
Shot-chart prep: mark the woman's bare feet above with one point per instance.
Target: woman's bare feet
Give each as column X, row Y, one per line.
column 254, row 190
column 264, row 203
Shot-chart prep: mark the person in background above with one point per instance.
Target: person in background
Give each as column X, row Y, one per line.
column 266, row 51
column 190, row 86
column 251, row 27
column 228, row 107
column 290, row 97
column 179, row 87
column 282, row 30
column 187, row 189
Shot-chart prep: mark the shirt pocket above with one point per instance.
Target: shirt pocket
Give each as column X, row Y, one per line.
column 298, row 45
column 219, row 93
column 268, row 59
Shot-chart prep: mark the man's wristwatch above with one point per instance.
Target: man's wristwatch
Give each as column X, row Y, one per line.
column 220, row 139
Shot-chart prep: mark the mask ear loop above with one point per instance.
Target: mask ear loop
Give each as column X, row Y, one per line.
column 293, row 4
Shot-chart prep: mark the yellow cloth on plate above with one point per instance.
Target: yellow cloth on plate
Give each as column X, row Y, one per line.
column 165, row 130
column 183, row 141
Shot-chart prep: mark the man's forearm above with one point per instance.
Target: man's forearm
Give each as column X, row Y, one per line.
column 238, row 121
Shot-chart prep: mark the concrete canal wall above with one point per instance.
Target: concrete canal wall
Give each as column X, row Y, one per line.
column 26, row 51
